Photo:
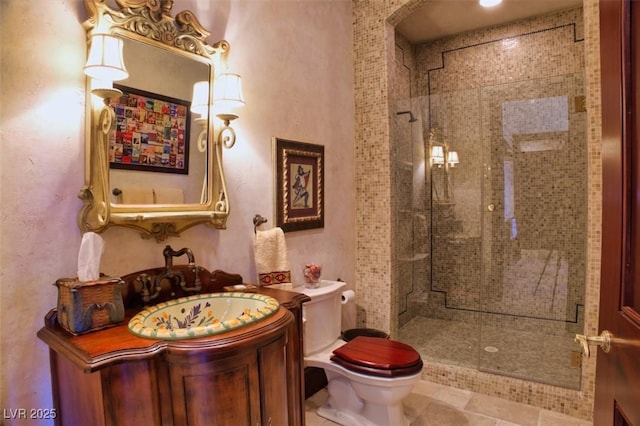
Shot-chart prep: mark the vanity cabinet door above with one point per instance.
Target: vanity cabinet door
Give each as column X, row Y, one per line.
column 120, row 395
column 220, row 392
column 131, row 393
column 77, row 397
column 273, row 384
column 240, row 388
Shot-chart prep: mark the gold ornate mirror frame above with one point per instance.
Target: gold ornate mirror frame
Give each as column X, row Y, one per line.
column 150, row 22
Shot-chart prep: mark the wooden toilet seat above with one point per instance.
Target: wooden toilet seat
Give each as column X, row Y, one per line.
column 377, row 356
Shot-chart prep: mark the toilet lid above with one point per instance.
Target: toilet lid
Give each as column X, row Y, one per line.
column 378, row 356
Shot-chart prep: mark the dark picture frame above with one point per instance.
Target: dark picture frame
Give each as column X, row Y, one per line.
column 151, row 134
column 299, row 185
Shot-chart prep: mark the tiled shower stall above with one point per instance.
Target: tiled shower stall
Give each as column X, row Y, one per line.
column 490, row 242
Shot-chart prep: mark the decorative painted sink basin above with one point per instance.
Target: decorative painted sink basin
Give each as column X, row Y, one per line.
column 202, row 315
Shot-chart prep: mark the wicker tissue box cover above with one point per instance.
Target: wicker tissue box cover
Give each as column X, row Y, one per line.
column 89, row 305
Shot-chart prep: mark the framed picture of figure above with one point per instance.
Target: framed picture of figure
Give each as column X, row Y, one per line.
column 299, row 169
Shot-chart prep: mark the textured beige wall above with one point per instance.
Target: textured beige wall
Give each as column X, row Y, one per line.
column 377, row 273
column 298, row 84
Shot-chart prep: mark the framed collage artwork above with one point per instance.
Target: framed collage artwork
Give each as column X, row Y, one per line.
column 152, row 132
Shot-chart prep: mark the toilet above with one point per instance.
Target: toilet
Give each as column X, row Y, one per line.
column 368, row 377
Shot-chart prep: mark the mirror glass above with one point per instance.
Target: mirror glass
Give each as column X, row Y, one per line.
column 153, row 150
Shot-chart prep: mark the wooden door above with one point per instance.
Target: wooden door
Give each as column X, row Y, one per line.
column 617, row 400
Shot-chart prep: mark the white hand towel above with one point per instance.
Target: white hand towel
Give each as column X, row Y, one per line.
column 270, row 253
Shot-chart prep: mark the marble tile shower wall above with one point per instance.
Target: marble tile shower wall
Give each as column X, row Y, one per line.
column 377, row 92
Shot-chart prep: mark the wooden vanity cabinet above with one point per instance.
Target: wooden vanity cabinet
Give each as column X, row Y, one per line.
column 113, row 378
column 230, row 390
column 122, row 394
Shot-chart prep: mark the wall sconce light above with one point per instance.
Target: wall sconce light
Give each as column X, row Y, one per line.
column 452, row 158
column 437, row 155
column 200, row 105
column 444, row 160
column 105, row 64
column 200, row 100
column 227, row 96
column 104, row 89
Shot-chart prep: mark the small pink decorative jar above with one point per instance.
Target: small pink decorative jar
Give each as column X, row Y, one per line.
column 312, row 275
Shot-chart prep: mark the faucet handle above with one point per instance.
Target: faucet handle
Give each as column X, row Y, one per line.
column 196, row 271
column 145, row 283
column 197, row 285
column 146, row 287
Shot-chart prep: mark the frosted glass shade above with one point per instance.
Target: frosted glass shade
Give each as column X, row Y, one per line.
column 105, row 61
column 452, row 158
column 200, row 100
column 227, row 93
column 437, row 155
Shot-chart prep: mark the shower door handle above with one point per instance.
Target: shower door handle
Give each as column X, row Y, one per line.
column 603, row 340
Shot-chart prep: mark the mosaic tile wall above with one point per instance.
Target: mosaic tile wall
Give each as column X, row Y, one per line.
column 411, row 182
column 377, row 270
column 488, row 88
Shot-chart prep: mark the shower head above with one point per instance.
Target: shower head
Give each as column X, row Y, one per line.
column 411, row 117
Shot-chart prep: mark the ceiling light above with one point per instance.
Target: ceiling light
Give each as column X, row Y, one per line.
column 489, row 3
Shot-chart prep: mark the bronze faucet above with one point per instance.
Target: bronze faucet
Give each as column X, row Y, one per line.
column 170, row 274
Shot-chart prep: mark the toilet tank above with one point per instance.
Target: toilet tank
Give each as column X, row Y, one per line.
column 322, row 315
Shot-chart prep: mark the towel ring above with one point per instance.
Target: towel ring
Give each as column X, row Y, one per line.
column 257, row 221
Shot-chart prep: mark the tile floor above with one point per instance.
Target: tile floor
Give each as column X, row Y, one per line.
column 432, row 404
column 522, row 325
column 535, row 356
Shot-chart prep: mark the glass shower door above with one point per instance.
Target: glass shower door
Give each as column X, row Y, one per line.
column 456, row 179
column 534, row 194
column 502, row 287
